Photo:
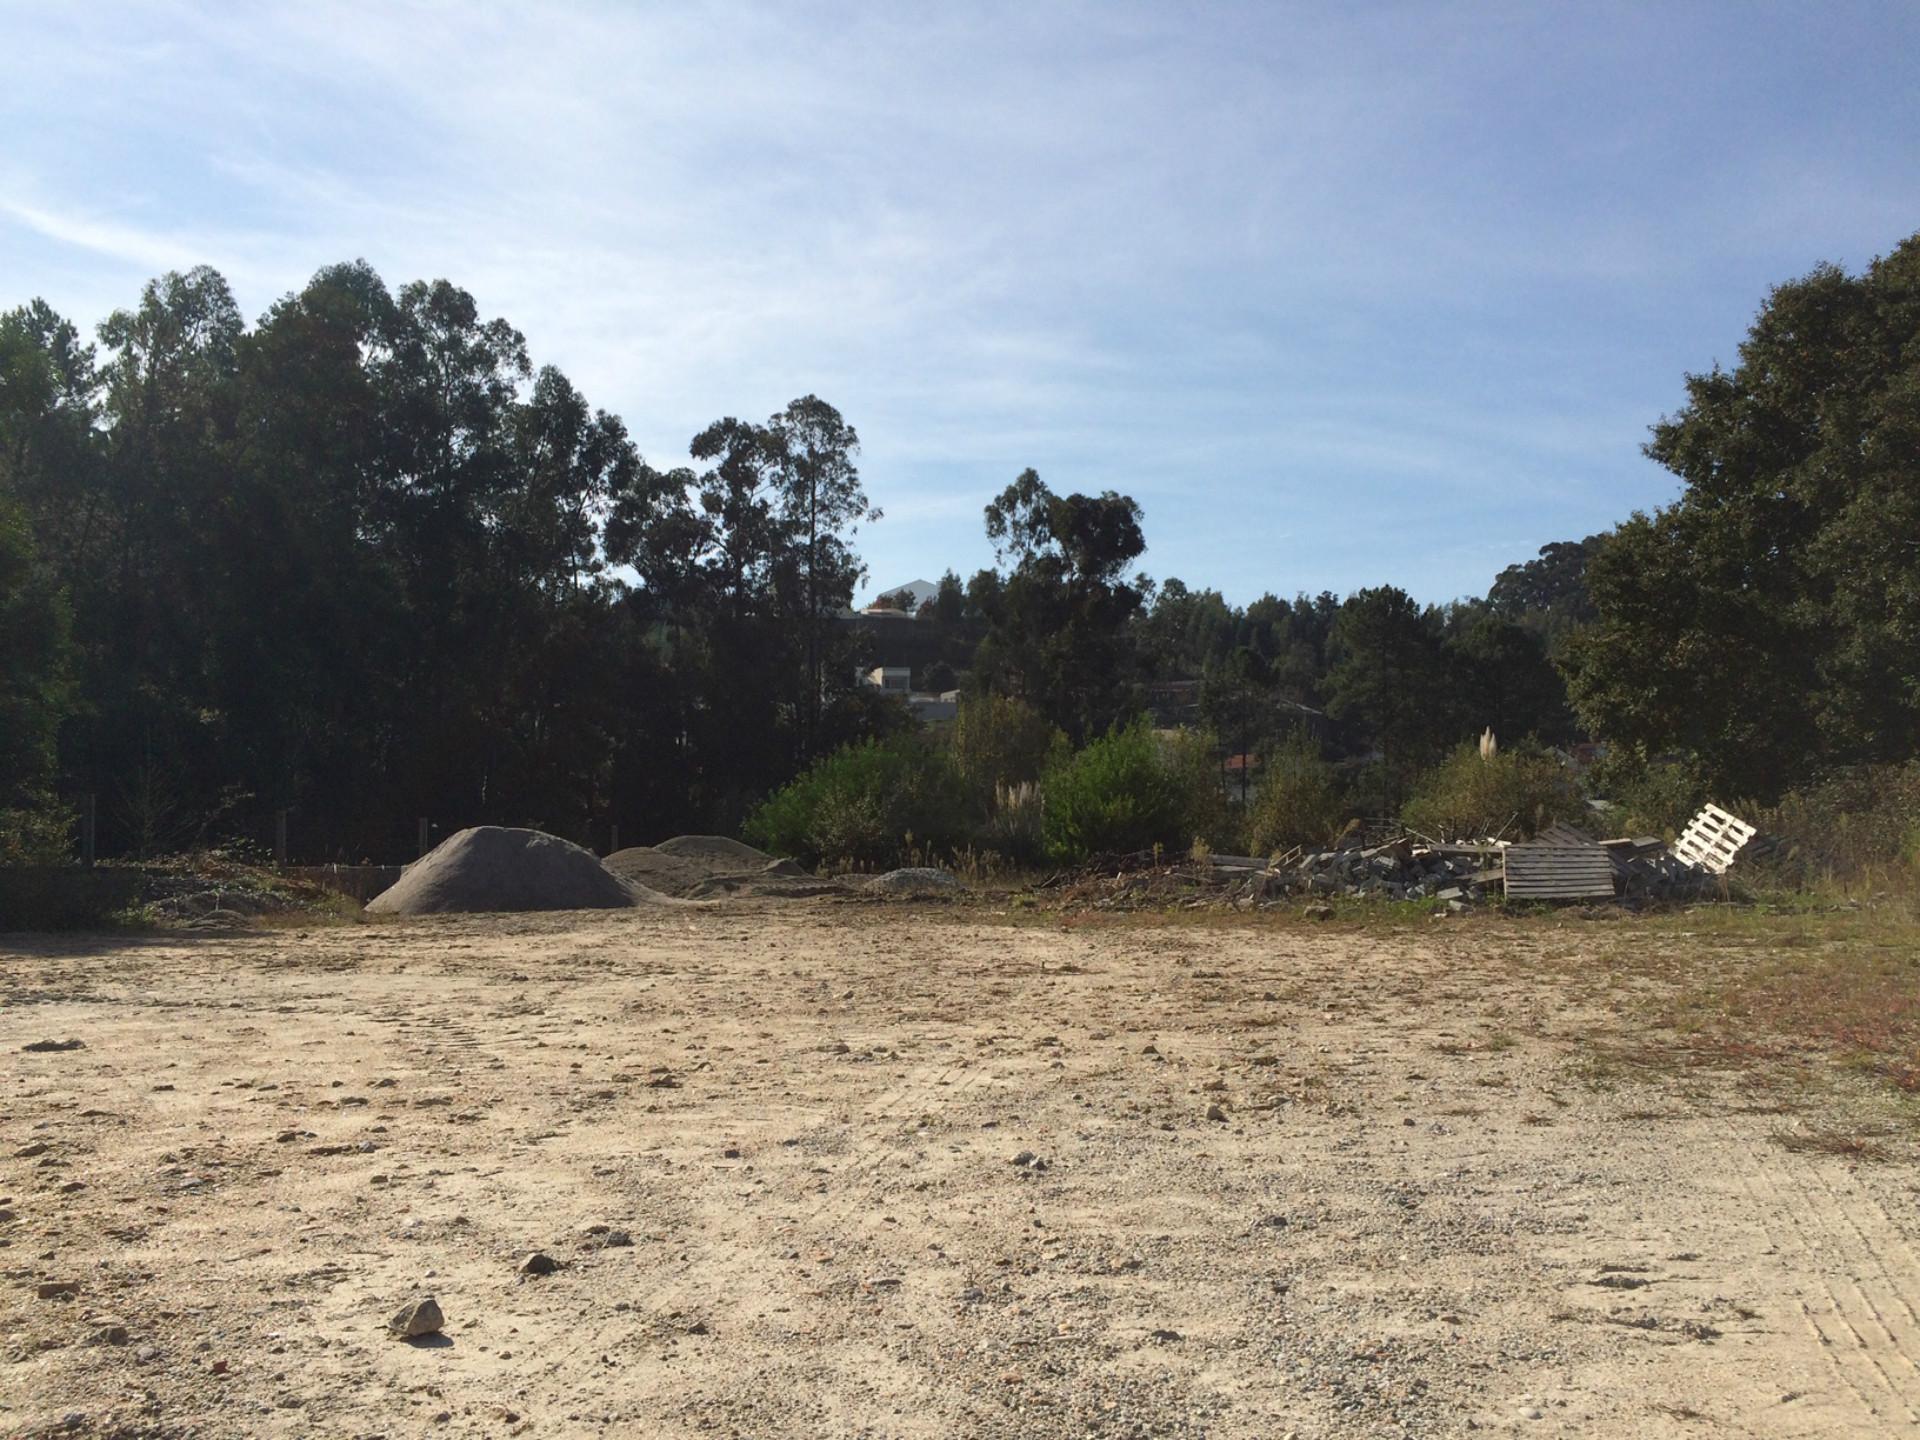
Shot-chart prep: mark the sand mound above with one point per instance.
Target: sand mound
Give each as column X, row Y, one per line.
column 714, row 850
column 707, row 867
column 494, row 868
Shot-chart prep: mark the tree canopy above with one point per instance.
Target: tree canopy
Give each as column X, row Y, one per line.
column 365, row 560
column 1768, row 622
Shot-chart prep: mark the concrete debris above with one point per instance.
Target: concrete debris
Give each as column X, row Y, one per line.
column 1398, row 870
column 1458, row 877
column 1645, row 869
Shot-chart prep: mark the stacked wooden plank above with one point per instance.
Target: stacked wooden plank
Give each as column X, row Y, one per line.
column 1559, row 864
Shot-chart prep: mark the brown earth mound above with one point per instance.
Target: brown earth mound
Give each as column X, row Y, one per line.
column 492, row 867
column 714, row 850
column 704, row 867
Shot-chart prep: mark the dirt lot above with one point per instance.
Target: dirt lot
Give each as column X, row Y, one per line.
column 1431, row 1203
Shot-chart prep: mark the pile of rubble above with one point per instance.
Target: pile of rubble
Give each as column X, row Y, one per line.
column 1560, row 863
column 1398, row 870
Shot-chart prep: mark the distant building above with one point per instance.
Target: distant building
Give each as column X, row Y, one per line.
column 928, row 708
column 894, row 679
column 913, row 594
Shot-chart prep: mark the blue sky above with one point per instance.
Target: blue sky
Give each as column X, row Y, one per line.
column 1342, row 294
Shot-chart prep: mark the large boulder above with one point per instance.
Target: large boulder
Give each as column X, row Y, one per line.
column 493, row 867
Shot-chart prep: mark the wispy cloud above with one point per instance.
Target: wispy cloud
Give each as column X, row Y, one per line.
column 1397, row 264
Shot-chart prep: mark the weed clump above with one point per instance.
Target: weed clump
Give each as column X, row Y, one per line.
column 1515, row 793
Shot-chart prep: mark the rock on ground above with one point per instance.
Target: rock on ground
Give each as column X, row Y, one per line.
column 417, row 1318
column 492, row 867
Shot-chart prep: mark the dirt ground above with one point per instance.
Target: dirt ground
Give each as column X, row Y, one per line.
column 910, row 1172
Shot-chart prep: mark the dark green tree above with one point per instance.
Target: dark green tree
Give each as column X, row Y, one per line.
column 950, row 601
column 811, row 450
column 1768, row 622
column 1058, row 620
column 1503, row 679
column 35, row 693
column 1548, row 593
column 1390, row 681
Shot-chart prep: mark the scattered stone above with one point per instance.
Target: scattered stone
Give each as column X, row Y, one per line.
column 417, row 1318
column 57, row 1289
column 27, row 1152
column 44, row 1047
column 539, row 1263
column 1215, row 1112
column 1319, row 910
column 111, row 1335
column 609, row 1240
column 146, row 1354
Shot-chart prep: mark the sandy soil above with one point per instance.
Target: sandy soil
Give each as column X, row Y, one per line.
column 1414, row 1218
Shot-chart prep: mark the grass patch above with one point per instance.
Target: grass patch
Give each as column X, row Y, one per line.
column 1831, row 1142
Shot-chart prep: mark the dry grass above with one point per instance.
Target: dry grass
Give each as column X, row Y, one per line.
column 1858, row 1002
column 1774, row 992
column 1831, row 1142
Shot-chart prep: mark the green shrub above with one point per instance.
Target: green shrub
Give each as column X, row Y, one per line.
column 1654, row 797
column 1125, row 791
column 1515, row 793
column 39, row 834
column 1192, row 760
column 1859, row 822
column 1298, row 802
column 1000, row 742
column 869, row 804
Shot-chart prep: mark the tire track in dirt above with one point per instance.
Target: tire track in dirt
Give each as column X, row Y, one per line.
column 1846, row 1321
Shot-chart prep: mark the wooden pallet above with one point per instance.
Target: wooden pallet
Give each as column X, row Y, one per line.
column 1713, row 840
column 1558, row 870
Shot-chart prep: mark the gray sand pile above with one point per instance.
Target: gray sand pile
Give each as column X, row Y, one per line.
column 918, row 881
column 706, row 867
column 494, row 868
